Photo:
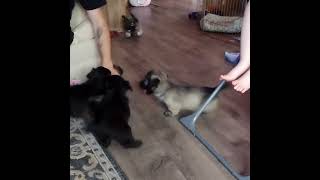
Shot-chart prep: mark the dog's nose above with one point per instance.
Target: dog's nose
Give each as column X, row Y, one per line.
column 144, row 84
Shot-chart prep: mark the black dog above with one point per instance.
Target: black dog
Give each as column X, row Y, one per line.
column 91, row 90
column 131, row 26
column 102, row 102
column 112, row 113
column 81, row 94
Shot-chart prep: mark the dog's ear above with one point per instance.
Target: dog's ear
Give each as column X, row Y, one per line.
column 149, row 73
column 119, row 69
column 98, row 72
column 90, row 74
column 163, row 75
column 103, row 71
column 134, row 18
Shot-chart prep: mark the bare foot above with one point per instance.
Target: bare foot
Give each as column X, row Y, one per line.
column 236, row 71
column 243, row 83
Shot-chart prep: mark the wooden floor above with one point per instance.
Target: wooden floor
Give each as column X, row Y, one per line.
column 174, row 44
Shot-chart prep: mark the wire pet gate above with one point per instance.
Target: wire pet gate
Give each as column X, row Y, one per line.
column 224, row 7
column 220, row 15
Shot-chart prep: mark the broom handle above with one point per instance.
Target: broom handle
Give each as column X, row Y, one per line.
column 213, row 95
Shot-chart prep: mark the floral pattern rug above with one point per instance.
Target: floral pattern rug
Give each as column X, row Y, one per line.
column 88, row 160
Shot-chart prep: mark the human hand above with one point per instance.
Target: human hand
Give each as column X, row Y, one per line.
column 111, row 67
column 114, row 71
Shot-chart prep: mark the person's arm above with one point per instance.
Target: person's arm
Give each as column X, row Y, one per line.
column 101, row 29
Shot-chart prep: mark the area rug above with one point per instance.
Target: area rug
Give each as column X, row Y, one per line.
column 88, row 160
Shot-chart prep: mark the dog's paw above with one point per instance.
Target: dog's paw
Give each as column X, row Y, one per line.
column 167, row 113
column 137, row 143
column 105, row 142
column 133, row 144
column 127, row 34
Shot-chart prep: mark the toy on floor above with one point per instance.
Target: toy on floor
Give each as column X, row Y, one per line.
column 232, row 58
column 131, row 26
column 139, row 3
column 195, row 15
column 74, row 82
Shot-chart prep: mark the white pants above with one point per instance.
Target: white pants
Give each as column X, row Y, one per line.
column 84, row 54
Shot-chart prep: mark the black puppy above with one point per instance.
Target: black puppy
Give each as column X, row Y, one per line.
column 91, row 90
column 112, row 113
column 96, row 83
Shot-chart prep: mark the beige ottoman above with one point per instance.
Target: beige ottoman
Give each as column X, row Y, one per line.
column 84, row 54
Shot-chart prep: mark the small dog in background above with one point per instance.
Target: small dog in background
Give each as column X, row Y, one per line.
column 176, row 98
column 102, row 102
column 131, row 26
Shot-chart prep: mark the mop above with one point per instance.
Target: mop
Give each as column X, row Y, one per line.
column 189, row 122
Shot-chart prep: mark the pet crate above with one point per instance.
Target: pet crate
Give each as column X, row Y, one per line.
column 225, row 15
column 224, row 7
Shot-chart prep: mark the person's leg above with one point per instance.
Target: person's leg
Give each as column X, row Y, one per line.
column 242, row 84
column 84, row 54
column 244, row 63
column 83, row 57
